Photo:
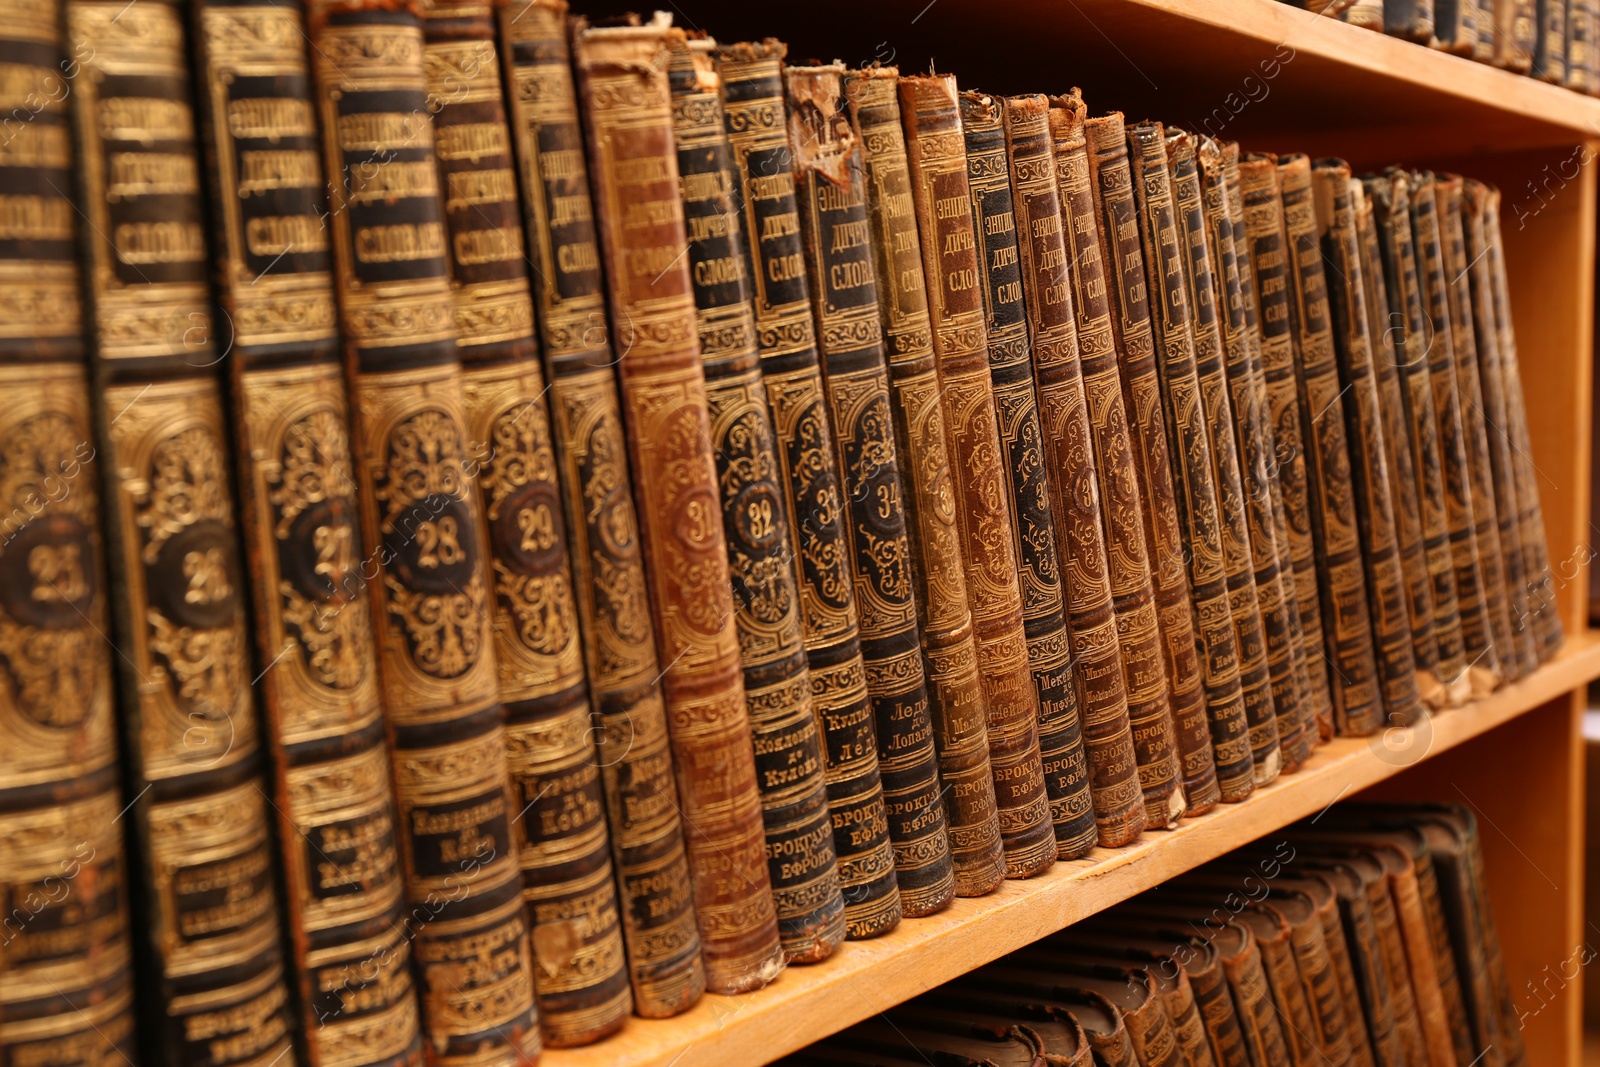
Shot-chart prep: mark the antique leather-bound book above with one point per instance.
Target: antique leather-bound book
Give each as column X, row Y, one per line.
column 1247, row 400
column 1261, row 215
column 810, row 479
column 1124, row 379
column 1387, row 347
column 622, row 80
column 1550, row 43
column 613, row 596
column 1368, row 14
column 1346, row 280
column 1065, row 1042
column 581, row 981
column 1583, row 22
column 1120, row 814
column 957, row 705
column 1547, row 626
column 212, row 984
column 421, row 526
column 1411, row 19
column 777, row 683
column 67, row 984
column 1346, row 619
column 942, row 199
column 1318, row 891
column 1047, row 289
column 313, row 624
column 831, row 189
column 1515, row 29
column 1199, row 284
column 1457, row 25
column 944, row 1037
column 1131, row 995
column 1478, row 603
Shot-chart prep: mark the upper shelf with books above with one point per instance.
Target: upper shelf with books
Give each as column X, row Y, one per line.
column 1276, row 77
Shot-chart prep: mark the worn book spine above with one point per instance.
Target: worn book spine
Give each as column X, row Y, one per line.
column 832, row 193
column 1477, row 602
column 1515, row 28
column 1047, row 290
column 1516, row 657
column 1368, row 14
column 1091, row 620
column 1389, row 616
column 1550, row 46
column 1583, row 22
column 622, row 81
column 1346, row 621
column 1125, row 408
column 944, row 621
column 67, row 994
column 1262, row 204
column 1387, row 348
column 808, row 462
column 1456, row 26
column 422, row 527
column 1247, row 400
column 777, row 683
column 1194, row 275
column 1547, row 626
column 1411, row 19
column 313, row 624
column 208, row 923
column 944, row 217
column 613, row 597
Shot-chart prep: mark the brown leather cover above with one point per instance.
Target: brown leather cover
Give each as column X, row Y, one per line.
column 1131, row 995
column 939, row 176
column 1091, row 623
column 1290, row 997
column 208, row 927
column 647, row 847
column 809, row 474
column 622, row 80
column 949, row 650
column 1308, row 941
column 832, row 193
column 1319, row 891
column 777, row 681
column 1387, row 609
column 1515, row 29
column 67, row 994
column 1550, row 41
column 1583, row 23
column 1065, row 1043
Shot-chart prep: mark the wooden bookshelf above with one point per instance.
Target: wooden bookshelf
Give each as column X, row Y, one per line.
column 1516, row 756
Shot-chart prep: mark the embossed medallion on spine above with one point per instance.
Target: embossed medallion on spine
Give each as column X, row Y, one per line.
column 777, row 682
column 423, row 542
column 949, row 651
column 943, row 201
column 209, row 927
column 334, row 794
column 622, row 80
column 67, row 993
column 832, row 194
column 613, row 596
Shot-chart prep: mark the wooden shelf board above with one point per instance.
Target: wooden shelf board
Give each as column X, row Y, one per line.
column 867, row 977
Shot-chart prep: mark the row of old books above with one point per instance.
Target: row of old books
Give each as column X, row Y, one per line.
column 1552, row 40
column 1363, row 938
column 509, row 525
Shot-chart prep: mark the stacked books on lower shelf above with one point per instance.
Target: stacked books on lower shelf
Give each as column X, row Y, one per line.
column 548, row 520
column 1363, row 936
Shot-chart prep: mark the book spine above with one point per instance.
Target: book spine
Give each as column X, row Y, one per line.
column 1308, row 943
column 1475, row 599
column 1120, row 376
column 1501, row 459
column 1247, row 400
column 791, row 371
column 613, row 594
column 1345, row 619
column 1550, row 48
column 1515, row 25
column 581, row 981
column 1379, row 1001
column 950, row 263
column 1368, row 14
column 1583, row 20
column 1499, row 987
column 333, row 794
column 1437, row 931
column 205, row 873
column 1047, row 290
column 1215, row 1004
column 68, row 990
column 1262, row 206
column 1455, row 26
column 1289, row 997
column 1410, row 19
column 777, row 683
column 1011, row 352
column 944, row 621
column 622, row 80
column 1252, row 997
column 422, row 526
column 1387, row 353
column 1389, row 615
column 1091, row 620
column 1193, row 273
column 832, row 194
column 1547, row 617
column 1337, row 943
